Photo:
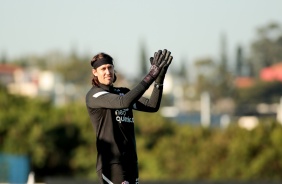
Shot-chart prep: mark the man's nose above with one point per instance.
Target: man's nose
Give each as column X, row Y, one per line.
column 108, row 71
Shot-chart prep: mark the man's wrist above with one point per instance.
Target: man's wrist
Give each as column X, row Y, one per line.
column 148, row 79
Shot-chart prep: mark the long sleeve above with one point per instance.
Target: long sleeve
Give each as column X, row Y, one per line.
column 151, row 104
column 103, row 98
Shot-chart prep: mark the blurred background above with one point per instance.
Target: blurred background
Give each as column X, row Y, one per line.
column 221, row 113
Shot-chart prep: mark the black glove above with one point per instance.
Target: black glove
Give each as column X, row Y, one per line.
column 156, row 66
column 167, row 61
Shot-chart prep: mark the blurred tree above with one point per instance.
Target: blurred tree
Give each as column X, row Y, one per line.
column 223, row 54
column 215, row 78
column 3, row 59
column 75, row 69
column 183, row 71
column 267, row 48
column 223, row 77
column 204, row 68
column 239, row 61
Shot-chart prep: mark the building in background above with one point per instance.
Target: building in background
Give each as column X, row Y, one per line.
column 17, row 80
column 272, row 73
column 32, row 82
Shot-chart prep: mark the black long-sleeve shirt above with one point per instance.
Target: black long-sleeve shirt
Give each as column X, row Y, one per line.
column 110, row 111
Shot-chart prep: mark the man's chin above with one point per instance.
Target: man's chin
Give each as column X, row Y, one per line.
column 109, row 82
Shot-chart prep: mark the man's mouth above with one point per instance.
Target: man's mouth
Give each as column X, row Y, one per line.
column 109, row 78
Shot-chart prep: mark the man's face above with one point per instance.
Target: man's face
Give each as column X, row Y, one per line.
column 105, row 74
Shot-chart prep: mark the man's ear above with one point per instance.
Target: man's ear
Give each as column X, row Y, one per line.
column 94, row 72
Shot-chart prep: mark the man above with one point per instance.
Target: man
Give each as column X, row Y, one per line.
column 110, row 111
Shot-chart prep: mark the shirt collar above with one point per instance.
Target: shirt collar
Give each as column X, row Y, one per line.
column 109, row 88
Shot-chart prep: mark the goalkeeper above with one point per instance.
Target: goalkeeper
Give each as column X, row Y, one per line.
column 110, row 110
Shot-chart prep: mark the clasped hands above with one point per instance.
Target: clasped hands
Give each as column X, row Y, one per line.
column 159, row 65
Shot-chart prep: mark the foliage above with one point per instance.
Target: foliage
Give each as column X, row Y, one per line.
column 73, row 68
column 195, row 153
column 51, row 136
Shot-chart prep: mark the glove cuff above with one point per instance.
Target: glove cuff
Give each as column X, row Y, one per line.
column 149, row 79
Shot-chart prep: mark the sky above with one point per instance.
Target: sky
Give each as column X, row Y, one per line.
column 190, row 29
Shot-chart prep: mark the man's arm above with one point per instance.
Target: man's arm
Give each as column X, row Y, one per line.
column 153, row 104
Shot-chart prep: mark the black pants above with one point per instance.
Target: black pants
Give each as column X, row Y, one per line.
column 118, row 174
